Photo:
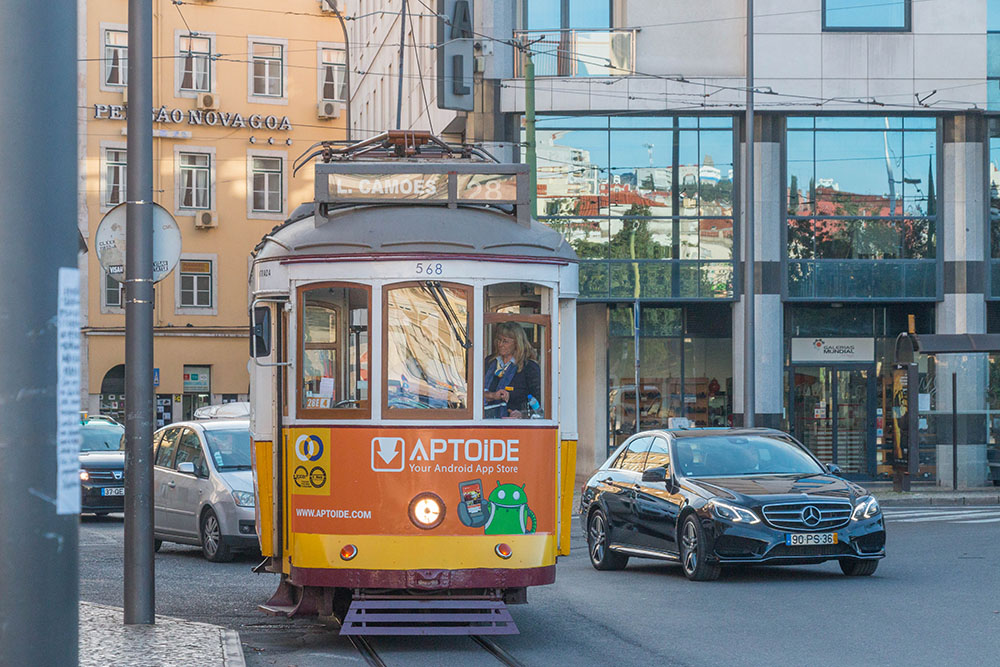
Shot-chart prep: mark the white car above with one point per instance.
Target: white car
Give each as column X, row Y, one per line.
column 203, row 487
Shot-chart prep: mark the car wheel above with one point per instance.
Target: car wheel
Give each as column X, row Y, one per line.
column 693, row 552
column 601, row 557
column 157, row 544
column 855, row 567
column 212, row 544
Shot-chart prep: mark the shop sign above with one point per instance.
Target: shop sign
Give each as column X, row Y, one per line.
column 196, row 379
column 832, row 350
column 210, row 117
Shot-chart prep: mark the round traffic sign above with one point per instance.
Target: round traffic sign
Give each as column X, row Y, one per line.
column 110, row 242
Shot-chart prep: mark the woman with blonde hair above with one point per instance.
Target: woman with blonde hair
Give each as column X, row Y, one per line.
column 512, row 374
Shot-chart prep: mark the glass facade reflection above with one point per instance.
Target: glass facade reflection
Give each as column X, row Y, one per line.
column 861, row 204
column 994, row 192
column 646, row 202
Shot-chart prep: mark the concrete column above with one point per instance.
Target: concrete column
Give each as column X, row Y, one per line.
column 961, row 239
column 592, row 386
column 768, row 249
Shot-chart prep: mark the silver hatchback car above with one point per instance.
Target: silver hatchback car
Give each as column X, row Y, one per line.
column 203, row 487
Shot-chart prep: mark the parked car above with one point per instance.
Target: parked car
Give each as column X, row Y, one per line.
column 203, row 487
column 709, row 497
column 102, row 465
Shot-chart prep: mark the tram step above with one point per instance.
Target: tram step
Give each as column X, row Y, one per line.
column 444, row 616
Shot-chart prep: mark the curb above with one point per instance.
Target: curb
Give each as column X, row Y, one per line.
column 232, row 650
column 935, row 500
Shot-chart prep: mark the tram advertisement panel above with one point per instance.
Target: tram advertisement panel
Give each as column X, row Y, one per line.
column 468, row 480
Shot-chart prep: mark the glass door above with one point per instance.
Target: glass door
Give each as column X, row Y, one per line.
column 832, row 414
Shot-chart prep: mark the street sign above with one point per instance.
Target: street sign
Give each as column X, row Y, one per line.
column 110, row 243
column 455, row 55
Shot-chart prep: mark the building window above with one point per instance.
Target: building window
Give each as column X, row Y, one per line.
column 267, row 178
column 866, row 16
column 116, row 57
column 196, row 56
column 114, row 292
column 196, row 283
column 195, row 180
column 115, row 169
column 646, row 202
column 267, row 63
column 334, row 86
column 861, row 207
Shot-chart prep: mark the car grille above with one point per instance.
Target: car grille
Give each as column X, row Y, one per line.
column 792, row 516
column 105, row 476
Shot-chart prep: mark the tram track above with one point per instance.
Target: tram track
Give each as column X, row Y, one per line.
column 371, row 656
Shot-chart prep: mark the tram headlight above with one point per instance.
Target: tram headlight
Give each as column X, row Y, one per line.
column 426, row 510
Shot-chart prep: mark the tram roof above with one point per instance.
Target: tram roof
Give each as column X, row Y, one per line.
column 410, row 229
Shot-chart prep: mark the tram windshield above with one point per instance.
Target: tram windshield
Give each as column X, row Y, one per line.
column 515, row 381
column 335, row 349
column 427, row 350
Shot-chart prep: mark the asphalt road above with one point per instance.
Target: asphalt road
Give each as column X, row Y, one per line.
column 934, row 600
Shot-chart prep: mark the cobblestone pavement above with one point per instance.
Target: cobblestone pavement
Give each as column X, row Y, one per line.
column 105, row 640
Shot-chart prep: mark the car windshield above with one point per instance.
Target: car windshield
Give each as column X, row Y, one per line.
column 101, row 437
column 723, row 456
column 230, row 448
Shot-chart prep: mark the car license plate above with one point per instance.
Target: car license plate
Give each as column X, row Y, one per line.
column 810, row 539
column 116, row 491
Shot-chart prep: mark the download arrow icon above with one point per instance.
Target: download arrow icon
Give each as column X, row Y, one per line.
column 387, row 449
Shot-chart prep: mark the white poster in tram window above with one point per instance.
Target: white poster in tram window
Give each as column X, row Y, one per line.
column 832, row 350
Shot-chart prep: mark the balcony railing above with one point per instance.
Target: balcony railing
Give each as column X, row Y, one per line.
column 846, row 279
column 578, row 52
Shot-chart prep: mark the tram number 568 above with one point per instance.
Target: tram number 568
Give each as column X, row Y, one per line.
column 430, row 268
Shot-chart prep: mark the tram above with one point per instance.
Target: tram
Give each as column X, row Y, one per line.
column 413, row 391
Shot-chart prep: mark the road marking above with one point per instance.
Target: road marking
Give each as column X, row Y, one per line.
column 979, row 521
column 945, row 514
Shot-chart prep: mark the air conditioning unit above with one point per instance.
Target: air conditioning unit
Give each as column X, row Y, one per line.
column 328, row 110
column 328, row 6
column 206, row 220
column 208, row 101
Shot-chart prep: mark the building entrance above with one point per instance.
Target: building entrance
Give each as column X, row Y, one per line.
column 833, row 414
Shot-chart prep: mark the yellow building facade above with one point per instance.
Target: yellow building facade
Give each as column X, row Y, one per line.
column 241, row 88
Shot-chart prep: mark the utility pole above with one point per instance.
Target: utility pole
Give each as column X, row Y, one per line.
column 39, row 336
column 749, row 349
column 402, row 46
column 531, row 156
column 139, row 572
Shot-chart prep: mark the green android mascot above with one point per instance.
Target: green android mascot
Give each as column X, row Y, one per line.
column 509, row 511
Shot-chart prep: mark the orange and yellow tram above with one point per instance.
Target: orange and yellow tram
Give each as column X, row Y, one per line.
column 413, row 392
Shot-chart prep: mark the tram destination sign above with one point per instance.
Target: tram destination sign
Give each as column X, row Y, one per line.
column 424, row 183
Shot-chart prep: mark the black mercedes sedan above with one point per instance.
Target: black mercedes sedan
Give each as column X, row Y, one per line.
column 102, row 466
column 708, row 497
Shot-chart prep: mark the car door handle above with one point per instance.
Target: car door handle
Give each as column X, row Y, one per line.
column 608, row 480
column 171, row 484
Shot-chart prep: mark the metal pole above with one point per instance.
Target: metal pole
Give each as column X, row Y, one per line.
column 402, row 45
column 749, row 349
column 139, row 583
column 636, row 332
column 39, row 242
column 347, row 70
column 531, row 157
column 954, row 431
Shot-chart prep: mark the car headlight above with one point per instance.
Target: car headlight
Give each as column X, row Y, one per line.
column 243, row 498
column 865, row 508
column 733, row 513
column 84, row 475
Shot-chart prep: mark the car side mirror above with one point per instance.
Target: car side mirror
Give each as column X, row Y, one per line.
column 186, row 467
column 657, row 474
column 260, row 334
column 833, row 468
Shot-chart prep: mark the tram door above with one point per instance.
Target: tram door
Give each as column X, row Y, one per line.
column 833, row 414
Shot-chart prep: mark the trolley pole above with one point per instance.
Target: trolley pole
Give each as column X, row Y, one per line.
column 139, row 582
column 529, row 129
column 749, row 348
column 40, row 339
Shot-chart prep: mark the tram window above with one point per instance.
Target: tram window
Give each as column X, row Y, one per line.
column 426, row 350
column 334, row 351
column 518, row 345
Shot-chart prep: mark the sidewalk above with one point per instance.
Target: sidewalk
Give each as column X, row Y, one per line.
column 105, row 640
column 922, row 495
